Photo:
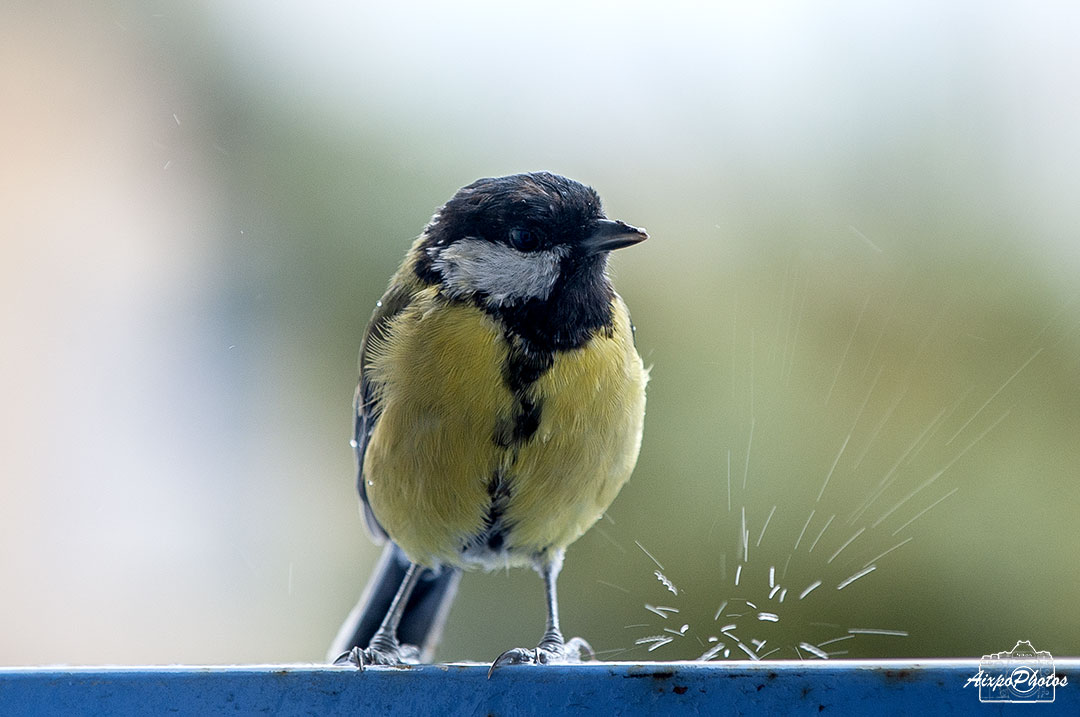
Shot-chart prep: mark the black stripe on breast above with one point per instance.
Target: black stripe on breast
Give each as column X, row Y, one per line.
column 493, row 535
column 521, row 370
column 524, row 364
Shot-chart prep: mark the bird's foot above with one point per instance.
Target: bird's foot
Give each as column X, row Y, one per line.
column 379, row 655
column 546, row 653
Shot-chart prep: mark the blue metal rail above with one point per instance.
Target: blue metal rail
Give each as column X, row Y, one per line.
column 885, row 687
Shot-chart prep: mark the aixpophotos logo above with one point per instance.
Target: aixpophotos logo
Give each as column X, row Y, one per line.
column 1020, row 675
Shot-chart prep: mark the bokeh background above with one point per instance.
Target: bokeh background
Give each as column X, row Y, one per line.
column 860, row 301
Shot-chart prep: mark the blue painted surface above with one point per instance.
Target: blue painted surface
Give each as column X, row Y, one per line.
column 835, row 687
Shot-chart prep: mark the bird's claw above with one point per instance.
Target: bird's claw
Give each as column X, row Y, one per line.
column 570, row 652
column 354, row 657
column 516, row 656
column 361, row 659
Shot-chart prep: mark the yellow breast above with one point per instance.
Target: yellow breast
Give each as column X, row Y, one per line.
column 439, row 379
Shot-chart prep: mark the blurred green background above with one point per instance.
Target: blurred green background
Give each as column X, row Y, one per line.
column 860, row 301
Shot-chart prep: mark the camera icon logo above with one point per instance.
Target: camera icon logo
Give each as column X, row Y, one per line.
column 1023, row 674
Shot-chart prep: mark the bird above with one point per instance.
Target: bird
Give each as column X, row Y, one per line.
column 499, row 410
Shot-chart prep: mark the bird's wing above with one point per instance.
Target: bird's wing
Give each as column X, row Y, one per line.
column 366, row 408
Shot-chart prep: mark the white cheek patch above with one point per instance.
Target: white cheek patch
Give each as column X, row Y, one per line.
column 505, row 274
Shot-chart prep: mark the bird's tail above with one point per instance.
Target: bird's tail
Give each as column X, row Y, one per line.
column 425, row 613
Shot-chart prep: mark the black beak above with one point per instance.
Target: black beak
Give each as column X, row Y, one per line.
column 608, row 235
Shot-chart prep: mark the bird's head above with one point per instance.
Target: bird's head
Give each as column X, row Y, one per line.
column 524, row 238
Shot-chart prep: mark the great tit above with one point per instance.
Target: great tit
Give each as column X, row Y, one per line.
column 499, row 409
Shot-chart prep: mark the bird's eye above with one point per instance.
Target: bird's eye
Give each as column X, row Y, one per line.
column 524, row 240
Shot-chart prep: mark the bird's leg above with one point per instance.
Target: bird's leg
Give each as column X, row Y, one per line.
column 552, row 648
column 553, row 639
column 384, row 648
